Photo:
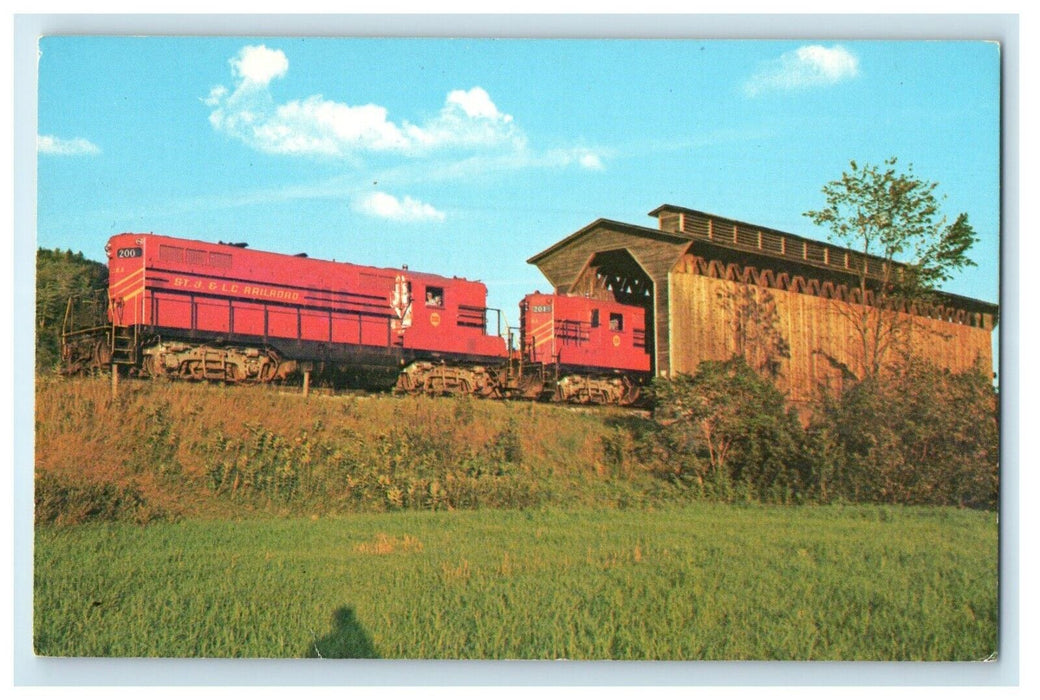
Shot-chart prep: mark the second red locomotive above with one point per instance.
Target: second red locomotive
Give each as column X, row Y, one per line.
column 223, row 312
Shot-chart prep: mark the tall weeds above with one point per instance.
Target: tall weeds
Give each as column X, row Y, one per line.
column 213, row 450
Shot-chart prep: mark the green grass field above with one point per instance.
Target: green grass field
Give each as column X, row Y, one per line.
column 693, row 582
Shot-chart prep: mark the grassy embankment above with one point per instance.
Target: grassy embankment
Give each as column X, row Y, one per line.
column 164, row 450
column 558, row 543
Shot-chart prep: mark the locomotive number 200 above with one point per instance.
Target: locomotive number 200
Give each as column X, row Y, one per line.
column 129, row 253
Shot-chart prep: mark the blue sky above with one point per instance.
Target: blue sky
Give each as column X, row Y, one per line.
column 466, row 157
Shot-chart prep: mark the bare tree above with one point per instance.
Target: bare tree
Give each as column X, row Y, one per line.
column 756, row 328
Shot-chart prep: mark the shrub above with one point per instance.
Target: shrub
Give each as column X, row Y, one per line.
column 506, row 447
column 729, row 428
column 920, row 436
column 67, row 501
column 157, row 449
column 264, row 463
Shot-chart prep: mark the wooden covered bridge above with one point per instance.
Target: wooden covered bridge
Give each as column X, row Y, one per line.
column 715, row 287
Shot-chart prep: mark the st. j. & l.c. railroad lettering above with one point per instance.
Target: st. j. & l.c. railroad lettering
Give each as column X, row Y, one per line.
column 235, row 288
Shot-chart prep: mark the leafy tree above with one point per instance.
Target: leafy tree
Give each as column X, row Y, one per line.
column 730, row 430
column 60, row 275
column 894, row 216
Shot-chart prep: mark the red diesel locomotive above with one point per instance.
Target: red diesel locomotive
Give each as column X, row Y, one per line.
column 222, row 312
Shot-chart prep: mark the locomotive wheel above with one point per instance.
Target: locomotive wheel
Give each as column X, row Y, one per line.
column 149, row 367
column 489, row 391
column 267, row 370
column 447, row 380
column 601, row 391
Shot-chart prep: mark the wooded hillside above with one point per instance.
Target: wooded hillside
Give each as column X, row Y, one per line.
column 59, row 275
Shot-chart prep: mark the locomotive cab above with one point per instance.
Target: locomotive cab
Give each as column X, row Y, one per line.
column 579, row 332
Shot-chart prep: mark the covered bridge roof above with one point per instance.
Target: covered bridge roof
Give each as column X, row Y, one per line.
column 680, row 225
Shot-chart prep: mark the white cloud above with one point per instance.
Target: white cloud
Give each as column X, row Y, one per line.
column 259, row 65
column 216, row 95
column 316, row 126
column 590, row 161
column 53, row 145
column 386, row 206
column 805, row 67
column 586, row 158
column 468, row 119
column 487, row 165
column 475, row 103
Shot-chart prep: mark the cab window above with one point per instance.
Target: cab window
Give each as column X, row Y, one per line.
column 435, row 296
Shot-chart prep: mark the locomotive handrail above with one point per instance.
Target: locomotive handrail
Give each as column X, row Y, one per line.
column 86, row 331
column 572, row 330
column 98, row 300
column 500, row 316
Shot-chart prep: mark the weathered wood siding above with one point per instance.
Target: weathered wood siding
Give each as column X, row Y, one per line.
column 820, row 331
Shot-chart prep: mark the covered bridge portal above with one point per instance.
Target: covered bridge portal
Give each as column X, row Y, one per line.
column 691, row 272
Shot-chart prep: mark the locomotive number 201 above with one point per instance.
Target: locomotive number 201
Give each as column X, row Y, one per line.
column 129, row 253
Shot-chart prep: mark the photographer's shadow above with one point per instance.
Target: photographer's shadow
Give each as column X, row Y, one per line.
column 347, row 640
